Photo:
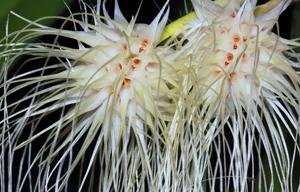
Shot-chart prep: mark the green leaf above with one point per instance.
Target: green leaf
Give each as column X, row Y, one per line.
column 30, row 9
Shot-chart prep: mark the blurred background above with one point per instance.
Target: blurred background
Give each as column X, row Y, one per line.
column 34, row 9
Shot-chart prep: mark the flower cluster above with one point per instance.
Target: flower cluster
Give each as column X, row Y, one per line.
column 210, row 109
column 246, row 86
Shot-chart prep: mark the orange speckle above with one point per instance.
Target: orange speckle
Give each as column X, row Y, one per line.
column 126, row 82
column 151, row 66
column 143, row 46
column 236, row 38
column 141, row 49
column 236, row 41
column 125, row 47
column 119, row 67
column 136, row 62
column 235, row 46
column 232, row 76
column 145, row 42
column 217, row 73
column 233, row 15
column 229, row 57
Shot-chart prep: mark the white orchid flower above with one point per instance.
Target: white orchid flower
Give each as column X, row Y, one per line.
column 114, row 95
column 245, row 79
column 120, row 106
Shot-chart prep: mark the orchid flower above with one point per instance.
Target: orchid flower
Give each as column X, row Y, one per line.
column 209, row 102
column 114, row 95
column 244, row 80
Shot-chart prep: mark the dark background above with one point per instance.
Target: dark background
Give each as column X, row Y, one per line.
column 33, row 9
